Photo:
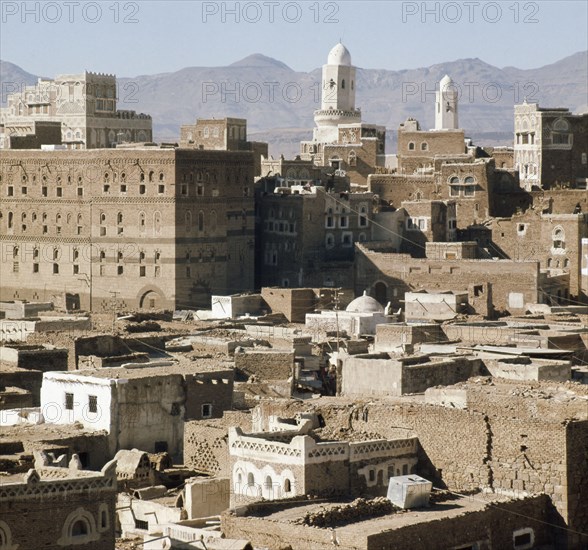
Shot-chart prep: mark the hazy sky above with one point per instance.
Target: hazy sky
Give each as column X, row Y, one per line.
column 145, row 37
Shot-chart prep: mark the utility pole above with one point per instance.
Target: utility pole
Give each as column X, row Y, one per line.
column 337, row 294
column 114, row 303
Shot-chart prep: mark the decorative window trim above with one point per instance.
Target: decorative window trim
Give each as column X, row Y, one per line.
column 66, row 533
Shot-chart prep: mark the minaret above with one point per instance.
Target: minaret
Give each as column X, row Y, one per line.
column 446, row 105
column 337, row 95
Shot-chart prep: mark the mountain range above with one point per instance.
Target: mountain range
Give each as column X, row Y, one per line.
column 278, row 102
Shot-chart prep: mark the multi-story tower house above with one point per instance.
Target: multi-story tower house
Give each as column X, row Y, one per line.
column 550, row 147
column 84, row 104
column 126, row 228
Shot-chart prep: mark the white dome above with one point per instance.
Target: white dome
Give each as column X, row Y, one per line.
column 445, row 81
column 339, row 55
column 365, row 304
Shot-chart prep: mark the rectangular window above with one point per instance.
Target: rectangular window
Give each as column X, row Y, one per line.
column 123, row 188
column 161, row 189
column 79, row 229
column 59, row 191
column 141, row 524
column 23, row 190
column 141, row 189
column 206, row 410
column 93, row 403
column 184, row 189
column 44, row 191
column 142, row 271
column 69, row 401
column 76, row 269
column 35, row 268
column 469, row 191
column 45, row 229
column 10, row 191
column 103, row 231
column 106, row 188
column 80, row 191
column 119, row 270
column 157, row 271
column 55, row 269
column 15, row 267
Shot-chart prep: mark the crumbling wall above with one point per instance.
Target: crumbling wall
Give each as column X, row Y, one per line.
column 266, row 365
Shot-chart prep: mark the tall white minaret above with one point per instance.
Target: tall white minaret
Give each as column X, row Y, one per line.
column 338, row 83
column 337, row 95
column 446, row 105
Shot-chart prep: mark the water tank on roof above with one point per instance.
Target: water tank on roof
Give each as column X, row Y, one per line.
column 409, row 491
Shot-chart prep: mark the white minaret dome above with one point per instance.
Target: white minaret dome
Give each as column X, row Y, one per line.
column 339, row 55
column 445, row 81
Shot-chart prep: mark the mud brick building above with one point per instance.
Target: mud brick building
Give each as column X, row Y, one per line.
column 513, row 438
column 225, row 134
column 555, row 240
column 550, row 147
column 85, row 106
column 306, row 235
column 56, row 507
column 388, row 275
column 126, row 228
column 282, row 464
column 142, row 407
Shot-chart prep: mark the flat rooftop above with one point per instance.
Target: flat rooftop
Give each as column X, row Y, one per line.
column 165, row 367
column 440, row 511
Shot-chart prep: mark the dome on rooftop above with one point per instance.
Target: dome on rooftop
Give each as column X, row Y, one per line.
column 365, row 304
column 339, row 55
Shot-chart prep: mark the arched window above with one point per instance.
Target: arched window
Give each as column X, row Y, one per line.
column 80, row 528
column 188, row 221
column 119, row 218
column 352, row 158
column 424, row 146
column 343, row 84
column 15, row 252
column 213, row 221
column 250, row 479
column 469, row 179
column 268, row 483
column 559, row 238
column 6, row 537
column 151, row 175
column 287, row 486
column 454, row 179
column 200, row 221
column 411, row 146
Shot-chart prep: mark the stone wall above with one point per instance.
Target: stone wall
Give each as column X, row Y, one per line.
column 514, row 283
column 266, row 365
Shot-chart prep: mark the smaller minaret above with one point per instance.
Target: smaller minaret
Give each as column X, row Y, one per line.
column 446, row 105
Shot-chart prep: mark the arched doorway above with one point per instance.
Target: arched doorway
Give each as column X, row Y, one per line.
column 381, row 291
column 150, row 300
